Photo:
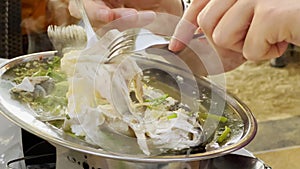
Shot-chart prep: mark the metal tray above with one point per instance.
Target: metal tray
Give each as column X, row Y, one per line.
column 24, row 117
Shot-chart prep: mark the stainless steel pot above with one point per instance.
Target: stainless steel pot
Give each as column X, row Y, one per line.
column 83, row 155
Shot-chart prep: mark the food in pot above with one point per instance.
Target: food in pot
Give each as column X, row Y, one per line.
column 83, row 92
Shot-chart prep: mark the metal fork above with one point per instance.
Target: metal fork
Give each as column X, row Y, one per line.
column 90, row 33
column 136, row 39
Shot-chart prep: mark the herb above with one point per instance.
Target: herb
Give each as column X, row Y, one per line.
column 172, row 116
column 56, row 101
column 157, row 101
column 205, row 116
column 50, row 67
column 224, row 135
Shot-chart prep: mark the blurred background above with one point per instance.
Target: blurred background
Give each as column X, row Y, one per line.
column 23, row 25
column 272, row 94
column 23, row 30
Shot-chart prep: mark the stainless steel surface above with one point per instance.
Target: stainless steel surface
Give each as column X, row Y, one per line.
column 71, row 159
column 136, row 39
column 77, row 160
column 132, row 40
column 24, row 117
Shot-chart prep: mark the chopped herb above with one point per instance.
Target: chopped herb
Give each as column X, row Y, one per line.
column 157, row 101
column 56, row 101
column 224, row 135
column 172, row 116
column 212, row 116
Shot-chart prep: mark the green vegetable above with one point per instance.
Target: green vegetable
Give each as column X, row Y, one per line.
column 56, row 74
column 172, row 116
column 157, row 101
column 56, row 101
column 212, row 116
column 224, row 135
column 41, row 67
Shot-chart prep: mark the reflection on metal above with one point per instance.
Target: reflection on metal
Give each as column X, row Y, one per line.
column 23, row 117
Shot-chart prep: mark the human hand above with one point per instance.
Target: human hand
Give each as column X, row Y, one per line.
column 101, row 12
column 184, row 33
column 256, row 30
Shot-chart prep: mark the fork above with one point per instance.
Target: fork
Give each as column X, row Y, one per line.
column 90, row 33
column 132, row 40
column 66, row 38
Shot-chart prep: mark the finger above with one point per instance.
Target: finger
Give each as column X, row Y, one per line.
column 230, row 32
column 211, row 15
column 100, row 14
column 134, row 20
column 208, row 19
column 265, row 41
column 74, row 10
column 145, row 18
column 187, row 25
column 140, row 19
column 271, row 39
column 123, row 12
column 98, row 11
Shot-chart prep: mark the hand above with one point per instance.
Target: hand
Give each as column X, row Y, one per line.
column 184, row 32
column 255, row 29
column 101, row 12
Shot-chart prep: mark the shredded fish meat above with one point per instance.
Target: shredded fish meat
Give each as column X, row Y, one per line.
column 151, row 120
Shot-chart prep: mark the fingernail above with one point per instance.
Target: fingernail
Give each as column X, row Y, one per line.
column 173, row 45
column 147, row 15
column 104, row 15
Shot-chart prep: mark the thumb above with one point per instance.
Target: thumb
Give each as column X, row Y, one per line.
column 187, row 26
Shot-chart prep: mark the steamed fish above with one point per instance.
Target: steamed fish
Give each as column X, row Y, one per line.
column 94, row 88
column 32, row 88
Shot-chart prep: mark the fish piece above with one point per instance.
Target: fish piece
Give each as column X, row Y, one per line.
column 33, row 87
